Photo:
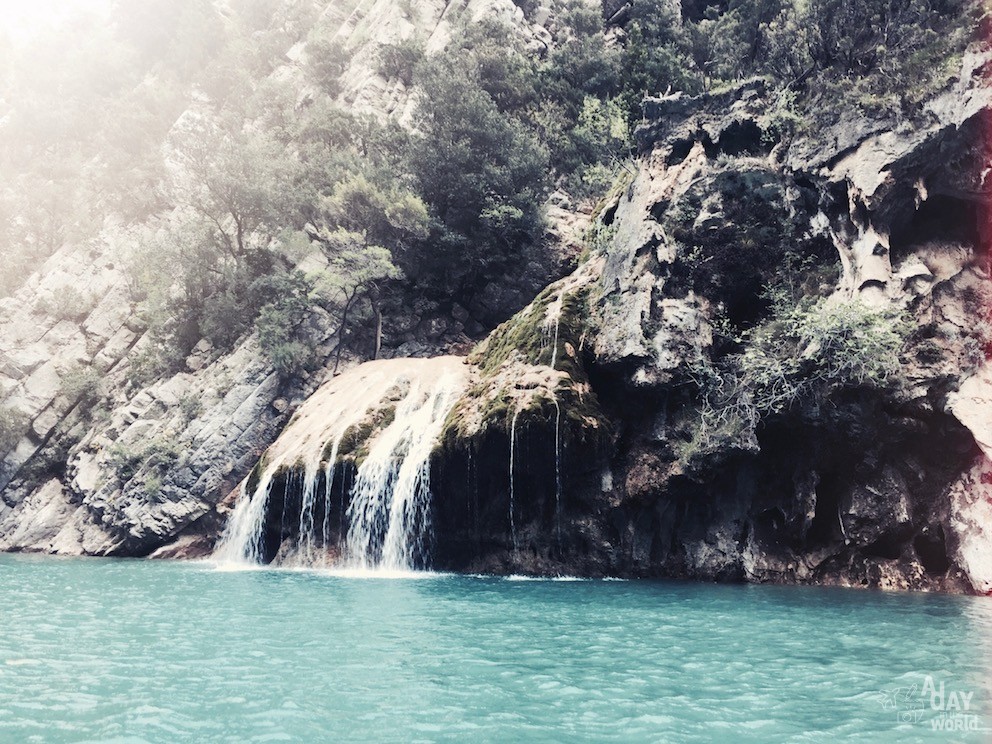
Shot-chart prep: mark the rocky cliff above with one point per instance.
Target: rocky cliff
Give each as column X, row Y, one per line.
column 681, row 405
column 153, row 463
column 661, row 471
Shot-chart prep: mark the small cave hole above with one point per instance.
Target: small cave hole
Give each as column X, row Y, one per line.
column 741, row 138
column 932, row 552
column 826, row 526
column 942, row 218
column 609, row 214
column 889, row 546
column 679, row 152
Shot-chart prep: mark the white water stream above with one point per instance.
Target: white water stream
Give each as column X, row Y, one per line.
column 389, row 503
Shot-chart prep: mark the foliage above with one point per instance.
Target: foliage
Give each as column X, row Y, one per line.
column 190, row 407
column 357, row 269
column 793, row 364
column 482, row 174
column 832, row 345
column 801, row 355
column 866, row 54
column 656, row 57
column 399, row 61
column 13, row 426
column 326, row 60
column 82, row 386
column 279, row 319
column 88, row 103
column 157, row 456
column 67, row 303
column 241, row 182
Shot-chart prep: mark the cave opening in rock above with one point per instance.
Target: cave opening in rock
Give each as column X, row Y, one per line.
column 931, row 549
column 889, row 546
column 742, row 137
column 943, row 218
column 826, row 526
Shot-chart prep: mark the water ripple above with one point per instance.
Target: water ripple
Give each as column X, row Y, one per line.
column 132, row 651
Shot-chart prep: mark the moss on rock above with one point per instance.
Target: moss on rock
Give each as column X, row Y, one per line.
column 530, row 369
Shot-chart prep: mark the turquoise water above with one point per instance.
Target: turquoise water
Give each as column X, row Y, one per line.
column 144, row 651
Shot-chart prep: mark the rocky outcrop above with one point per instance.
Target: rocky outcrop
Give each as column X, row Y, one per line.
column 584, row 441
column 871, row 486
column 153, row 462
column 594, row 433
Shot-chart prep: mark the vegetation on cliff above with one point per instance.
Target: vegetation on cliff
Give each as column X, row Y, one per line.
column 247, row 197
column 256, row 180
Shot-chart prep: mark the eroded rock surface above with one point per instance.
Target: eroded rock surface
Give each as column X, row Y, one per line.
column 170, row 451
column 884, row 488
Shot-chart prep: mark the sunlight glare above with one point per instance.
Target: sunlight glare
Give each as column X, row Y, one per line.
column 22, row 18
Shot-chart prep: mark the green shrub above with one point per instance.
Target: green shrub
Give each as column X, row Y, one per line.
column 158, row 455
column 153, row 362
column 790, row 364
column 278, row 322
column 13, row 425
column 153, row 486
column 67, row 303
column 801, row 355
column 82, row 386
column 326, row 60
column 124, row 461
column 190, row 407
column 224, row 318
column 400, row 60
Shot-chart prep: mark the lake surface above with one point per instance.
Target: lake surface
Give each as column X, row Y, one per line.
column 131, row 651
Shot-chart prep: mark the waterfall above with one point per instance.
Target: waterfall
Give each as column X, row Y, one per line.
column 552, row 320
column 513, row 445
column 389, row 511
column 328, row 486
column 242, row 540
column 305, row 542
column 557, row 471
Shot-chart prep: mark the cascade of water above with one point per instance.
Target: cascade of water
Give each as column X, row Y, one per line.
column 305, row 542
column 389, row 511
column 513, row 446
column 242, row 540
column 554, row 349
column 388, row 517
column 553, row 319
column 328, row 486
column 557, row 470
column 342, row 512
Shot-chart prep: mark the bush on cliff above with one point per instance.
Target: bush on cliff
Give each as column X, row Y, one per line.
column 817, row 347
column 482, row 175
column 804, row 354
column 13, row 424
column 801, row 355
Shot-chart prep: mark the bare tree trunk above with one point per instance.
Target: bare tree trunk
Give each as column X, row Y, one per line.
column 377, row 309
column 344, row 326
column 378, row 333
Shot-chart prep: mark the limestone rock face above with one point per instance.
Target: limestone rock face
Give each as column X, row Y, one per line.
column 168, row 453
column 580, row 445
column 882, row 489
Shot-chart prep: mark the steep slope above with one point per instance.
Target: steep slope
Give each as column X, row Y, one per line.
column 741, row 451
column 128, row 477
column 773, row 367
